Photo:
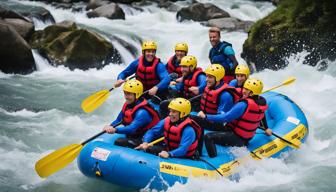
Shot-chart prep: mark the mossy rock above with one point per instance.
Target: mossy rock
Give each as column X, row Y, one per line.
column 74, row 48
column 296, row 25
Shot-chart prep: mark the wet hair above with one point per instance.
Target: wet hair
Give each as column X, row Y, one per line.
column 214, row 30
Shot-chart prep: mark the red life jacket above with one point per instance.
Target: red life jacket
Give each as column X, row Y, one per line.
column 147, row 74
column 210, row 98
column 172, row 68
column 228, row 78
column 190, row 82
column 248, row 123
column 173, row 135
column 129, row 114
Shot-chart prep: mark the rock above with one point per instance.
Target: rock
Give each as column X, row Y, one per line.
column 7, row 13
column 170, row 6
column 24, row 28
column 22, row 25
column 93, row 4
column 110, row 11
column 62, row 5
column 230, row 24
column 64, row 44
column 293, row 27
column 201, row 12
column 15, row 53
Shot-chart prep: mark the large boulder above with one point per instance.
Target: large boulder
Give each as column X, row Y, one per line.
column 15, row 53
column 201, row 12
column 110, row 11
column 28, row 11
column 93, row 4
column 293, row 27
column 64, row 44
column 22, row 25
column 230, row 24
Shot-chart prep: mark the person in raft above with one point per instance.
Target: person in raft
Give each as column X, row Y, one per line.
column 222, row 53
column 193, row 83
column 180, row 133
column 242, row 120
column 136, row 115
column 173, row 64
column 242, row 73
column 149, row 70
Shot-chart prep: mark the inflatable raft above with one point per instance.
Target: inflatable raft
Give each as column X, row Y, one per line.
column 127, row 167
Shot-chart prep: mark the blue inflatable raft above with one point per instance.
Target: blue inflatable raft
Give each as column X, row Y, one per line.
column 127, row 167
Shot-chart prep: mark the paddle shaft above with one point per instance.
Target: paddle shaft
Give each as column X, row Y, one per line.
column 97, row 135
column 283, row 139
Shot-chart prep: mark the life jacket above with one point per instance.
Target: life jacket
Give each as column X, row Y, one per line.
column 147, row 74
column 248, row 123
column 129, row 113
column 210, row 98
column 172, row 68
column 190, row 82
column 216, row 55
column 173, row 135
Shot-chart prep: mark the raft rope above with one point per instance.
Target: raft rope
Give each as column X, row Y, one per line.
column 211, row 166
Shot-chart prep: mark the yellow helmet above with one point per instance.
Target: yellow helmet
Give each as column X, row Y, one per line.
column 216, row 70
column 149, row 45
column 189, row 61
column 182, row 105
column 242, row 69
column 134, row 86
column 181, row 47
column 254, row 85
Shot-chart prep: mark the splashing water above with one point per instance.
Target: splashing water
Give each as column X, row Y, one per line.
column 41, row 112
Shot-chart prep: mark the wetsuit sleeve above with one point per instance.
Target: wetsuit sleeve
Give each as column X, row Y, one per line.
column 177, row 87
column 130, row 69
column 118, row 119
column 225, row 103
column 141, row 118
column 154, row 132
column 201, row 82
column 163, row 75
column 236, row 112
column 233, row 83
column 188, row 137
column 229, row 50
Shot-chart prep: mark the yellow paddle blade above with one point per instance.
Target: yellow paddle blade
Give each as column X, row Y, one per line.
column 57, row 160
column 288, row 81
column 94, row 101
column 156, row 141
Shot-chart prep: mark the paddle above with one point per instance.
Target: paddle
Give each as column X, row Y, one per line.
column 295, row 143
column 60, row 158
column 97, row 99
column 288, row 81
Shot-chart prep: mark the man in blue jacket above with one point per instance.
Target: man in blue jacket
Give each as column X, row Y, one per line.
column 137, row 116
column 242, row 120
column 180, row 133
column 149, row 70
column 222, row 53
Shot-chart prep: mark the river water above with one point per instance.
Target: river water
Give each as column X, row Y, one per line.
column 41, row 112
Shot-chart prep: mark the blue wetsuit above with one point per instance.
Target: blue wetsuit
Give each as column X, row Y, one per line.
column 236, row 112
column 141, row 118
column 161, row 71
column 201, row 81
column 233, row 83
column 188, row 137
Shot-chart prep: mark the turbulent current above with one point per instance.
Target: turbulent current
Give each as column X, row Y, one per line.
column 41, row 112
